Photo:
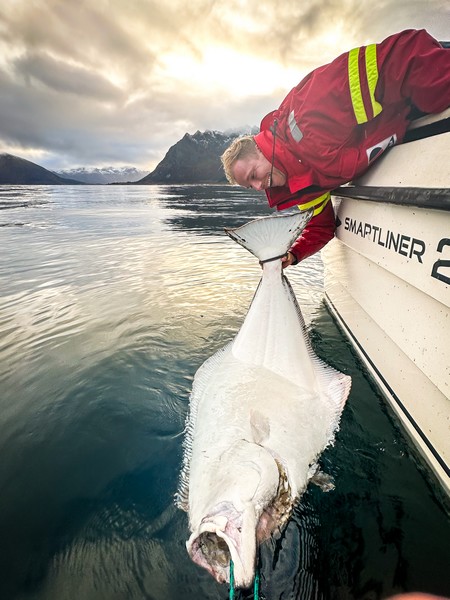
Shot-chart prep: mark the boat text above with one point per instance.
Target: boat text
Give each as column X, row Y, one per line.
column 441, row 264
column 398, row 242
column 405, row 245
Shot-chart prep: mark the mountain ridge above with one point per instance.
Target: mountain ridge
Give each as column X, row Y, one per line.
column 19, row 171
column 195, row 158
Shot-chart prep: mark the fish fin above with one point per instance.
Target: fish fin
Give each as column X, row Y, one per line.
column 333, row 384
column 336, row 387
column 270, row 237
column 201, row 380
column 323, row 480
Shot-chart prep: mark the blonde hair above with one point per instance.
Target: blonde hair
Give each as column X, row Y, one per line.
column 240, row 148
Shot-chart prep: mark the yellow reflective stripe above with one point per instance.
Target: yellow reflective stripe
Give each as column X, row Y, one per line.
column 355, row 86
column 320, row 208
column 354, row 80
column 314, row 202
column 372, row 77
column 319, row 203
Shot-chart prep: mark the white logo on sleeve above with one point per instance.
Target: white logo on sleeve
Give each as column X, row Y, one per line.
column 375, row 151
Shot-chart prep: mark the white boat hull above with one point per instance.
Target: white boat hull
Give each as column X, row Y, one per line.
column 387, row 282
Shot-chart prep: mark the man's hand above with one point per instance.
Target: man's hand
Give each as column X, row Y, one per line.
column 288, row 260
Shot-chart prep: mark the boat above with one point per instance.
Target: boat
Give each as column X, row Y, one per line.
column 387, row 282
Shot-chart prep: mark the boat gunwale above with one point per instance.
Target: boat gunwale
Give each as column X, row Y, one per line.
column 428, row 198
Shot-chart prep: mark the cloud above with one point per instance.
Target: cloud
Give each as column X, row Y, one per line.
column 112, row 82
column 66, row 78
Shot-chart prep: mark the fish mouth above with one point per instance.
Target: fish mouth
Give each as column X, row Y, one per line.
column 220, row 539
column 228, row 534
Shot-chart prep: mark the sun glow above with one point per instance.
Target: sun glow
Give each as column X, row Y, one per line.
column 225, row 69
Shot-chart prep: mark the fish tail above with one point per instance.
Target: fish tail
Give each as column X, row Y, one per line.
column 269, row 238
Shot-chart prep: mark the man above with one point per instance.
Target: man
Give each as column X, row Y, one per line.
column 332, row 126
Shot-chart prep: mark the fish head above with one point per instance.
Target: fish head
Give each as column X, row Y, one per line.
column 232, row 531
column 223, row 535
column 224, row 518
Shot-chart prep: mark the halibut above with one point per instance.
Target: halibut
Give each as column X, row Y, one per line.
column 262, row 409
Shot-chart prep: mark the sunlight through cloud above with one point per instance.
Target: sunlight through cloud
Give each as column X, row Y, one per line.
column 224, row 68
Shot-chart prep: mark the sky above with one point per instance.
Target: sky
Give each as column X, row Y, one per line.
column 95, row 83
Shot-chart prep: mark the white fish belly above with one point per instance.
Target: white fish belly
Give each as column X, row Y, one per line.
column 252, row 404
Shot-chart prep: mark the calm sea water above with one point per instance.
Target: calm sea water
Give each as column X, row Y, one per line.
column 111, row 297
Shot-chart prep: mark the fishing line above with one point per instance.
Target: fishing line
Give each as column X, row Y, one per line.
column 231, row 580
column 274, row 133
column 255, row 583
column 274, row 258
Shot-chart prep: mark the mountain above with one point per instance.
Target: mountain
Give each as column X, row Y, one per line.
column 16, row 171
column 193, row 159
column 104, row 175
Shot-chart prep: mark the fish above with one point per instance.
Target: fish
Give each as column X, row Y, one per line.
column 261, row 411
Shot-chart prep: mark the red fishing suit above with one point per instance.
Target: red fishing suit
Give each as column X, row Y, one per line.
column 342, row 116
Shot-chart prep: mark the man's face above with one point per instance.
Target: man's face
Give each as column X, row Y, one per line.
column 253, row 171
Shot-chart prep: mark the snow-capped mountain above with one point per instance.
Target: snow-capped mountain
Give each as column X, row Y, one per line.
column 104, row 175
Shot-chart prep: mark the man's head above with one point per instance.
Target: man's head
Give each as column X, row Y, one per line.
column 246, row 165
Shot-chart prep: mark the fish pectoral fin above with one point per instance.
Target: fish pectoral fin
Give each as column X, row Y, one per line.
column 260, row 427
column 323, row 480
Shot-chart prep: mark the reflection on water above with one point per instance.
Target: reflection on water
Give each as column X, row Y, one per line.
column 111, row 298
column 206, row 210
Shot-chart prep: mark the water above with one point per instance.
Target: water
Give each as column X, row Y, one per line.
column 110, row 299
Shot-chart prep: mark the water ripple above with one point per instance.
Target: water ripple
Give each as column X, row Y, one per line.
column 111, row 298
